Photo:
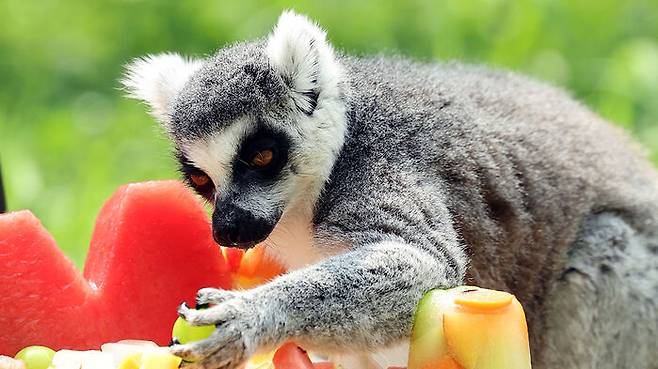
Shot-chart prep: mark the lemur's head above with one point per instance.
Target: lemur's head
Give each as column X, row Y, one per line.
column 256, row 127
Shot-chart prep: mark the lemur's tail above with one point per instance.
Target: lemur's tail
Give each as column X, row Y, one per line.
column 3, row 204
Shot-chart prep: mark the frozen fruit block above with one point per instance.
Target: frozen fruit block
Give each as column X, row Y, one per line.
column 97, row 360
column 151, row 358
column 132, row 361
column 122, row 349
column 152, row 248
column 159, row 359
column 67, row 359
column 469, row 328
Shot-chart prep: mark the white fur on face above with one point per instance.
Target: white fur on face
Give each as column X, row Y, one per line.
column 215, row 153
column 157, row 80
column 299, row 51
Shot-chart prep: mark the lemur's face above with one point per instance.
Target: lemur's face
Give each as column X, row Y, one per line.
column 256, row 127
column 246, row 171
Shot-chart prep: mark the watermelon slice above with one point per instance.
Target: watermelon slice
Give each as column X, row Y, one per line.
column 151, row 249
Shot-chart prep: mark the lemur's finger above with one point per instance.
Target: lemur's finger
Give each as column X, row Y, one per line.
column 207, row 296
column 189, row 365
column 223, row 349
column 195, row 352
column 183, row 310
column 216, row 362
column 216, row 315
column 197, row 317
column 230, row 356
column 186, row 353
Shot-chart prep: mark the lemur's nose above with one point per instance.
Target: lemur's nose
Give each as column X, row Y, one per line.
column 233, row 226
column 222, row 237
column 229, row 237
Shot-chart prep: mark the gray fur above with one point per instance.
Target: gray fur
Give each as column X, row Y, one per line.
column 234, row 81
column 448, row 174
column 603, row 306
column 522, row 165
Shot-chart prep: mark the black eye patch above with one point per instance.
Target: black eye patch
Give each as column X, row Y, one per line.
column 275, row 145
column 195, row 177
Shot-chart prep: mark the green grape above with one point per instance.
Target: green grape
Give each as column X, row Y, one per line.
column 184, row 332
column 36, row 357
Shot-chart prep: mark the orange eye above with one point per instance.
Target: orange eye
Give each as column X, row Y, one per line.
column 199, row 180
column 262, row 158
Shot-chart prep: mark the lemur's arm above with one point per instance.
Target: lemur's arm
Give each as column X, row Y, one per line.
column 359, row 300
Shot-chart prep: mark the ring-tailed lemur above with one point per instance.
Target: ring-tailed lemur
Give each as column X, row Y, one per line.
column 377, row 179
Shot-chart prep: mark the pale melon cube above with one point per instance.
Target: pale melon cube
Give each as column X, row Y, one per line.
column 67, row 359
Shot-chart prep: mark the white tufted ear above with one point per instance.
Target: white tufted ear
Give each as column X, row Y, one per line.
column 157, row 80
column 298, row 50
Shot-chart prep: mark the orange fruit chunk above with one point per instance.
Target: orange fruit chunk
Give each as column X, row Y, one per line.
column 483, row 299
column 256, row 268
column 488, row 339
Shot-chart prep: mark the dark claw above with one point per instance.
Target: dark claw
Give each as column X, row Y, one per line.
column 174, row 341
column 202, row 306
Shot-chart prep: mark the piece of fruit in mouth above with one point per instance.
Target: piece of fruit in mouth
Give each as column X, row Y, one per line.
column 255, row 267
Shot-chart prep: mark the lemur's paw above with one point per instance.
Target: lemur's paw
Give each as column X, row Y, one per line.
column 215, row 315
column 206, row 296
column 235, row 317
column 223, row 350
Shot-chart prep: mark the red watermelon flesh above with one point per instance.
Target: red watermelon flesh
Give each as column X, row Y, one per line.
column 151, row 249
column 291, row 356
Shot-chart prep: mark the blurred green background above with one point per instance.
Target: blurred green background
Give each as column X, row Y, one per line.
column 68, row 138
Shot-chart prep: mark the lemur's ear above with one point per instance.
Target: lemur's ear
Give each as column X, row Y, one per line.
column 298, row 50
column 157, row 80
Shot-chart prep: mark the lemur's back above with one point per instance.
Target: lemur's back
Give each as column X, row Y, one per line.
column 522, row 165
